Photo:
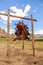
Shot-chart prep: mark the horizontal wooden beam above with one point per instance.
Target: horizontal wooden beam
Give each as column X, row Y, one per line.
column 4, row 14
column 17, row 16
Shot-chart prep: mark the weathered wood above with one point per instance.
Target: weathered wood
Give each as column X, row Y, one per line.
column 32, row 35
column 8, row 35
column 8, row 24
column 17, row 16
column 22, row 44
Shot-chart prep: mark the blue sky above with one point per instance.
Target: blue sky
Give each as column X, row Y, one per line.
column 22, row 8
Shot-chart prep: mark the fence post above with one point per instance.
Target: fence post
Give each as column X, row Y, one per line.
column 32, row 35
column 8, row 34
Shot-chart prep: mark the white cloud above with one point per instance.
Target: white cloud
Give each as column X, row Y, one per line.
column 17, row 12
column 12, row 18
column 27, row 9
column 39, row 32
column 2, row 11
column 20, row 12
column 3, row 18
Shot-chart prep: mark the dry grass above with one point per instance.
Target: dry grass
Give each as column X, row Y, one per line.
column 17, row 56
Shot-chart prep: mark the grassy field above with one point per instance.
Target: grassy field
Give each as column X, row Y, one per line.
column 38, row 44
column 17, row 56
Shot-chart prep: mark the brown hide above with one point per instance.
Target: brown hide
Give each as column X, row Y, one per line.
column 21, row 31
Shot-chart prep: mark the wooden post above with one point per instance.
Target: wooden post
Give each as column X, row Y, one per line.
column 32, row 35
column 8, row 24
column 23, row 45
column 8, row 34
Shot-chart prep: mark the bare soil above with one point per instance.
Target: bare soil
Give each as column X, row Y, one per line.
column 11, row 55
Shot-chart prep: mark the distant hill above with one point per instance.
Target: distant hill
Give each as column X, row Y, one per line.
column 3, row 33
column 38, row 36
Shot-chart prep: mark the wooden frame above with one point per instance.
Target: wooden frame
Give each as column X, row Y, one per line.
column 8, row 26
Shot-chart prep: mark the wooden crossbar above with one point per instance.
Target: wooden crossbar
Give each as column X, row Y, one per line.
column 17, row 16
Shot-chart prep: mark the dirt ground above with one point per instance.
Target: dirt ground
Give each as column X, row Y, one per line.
column 17, row 56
